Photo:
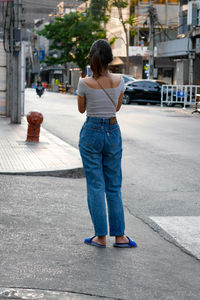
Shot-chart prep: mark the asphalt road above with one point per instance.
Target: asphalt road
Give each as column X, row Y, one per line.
column 161, row 165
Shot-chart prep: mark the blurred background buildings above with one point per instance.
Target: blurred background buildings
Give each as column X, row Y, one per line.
column 165, row 46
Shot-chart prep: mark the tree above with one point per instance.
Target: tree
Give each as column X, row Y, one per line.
column 127, row 24
column 99, row 10
column 102, row 9
column 73, row 36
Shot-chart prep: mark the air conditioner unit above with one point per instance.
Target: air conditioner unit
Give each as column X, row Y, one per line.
column 192, row 13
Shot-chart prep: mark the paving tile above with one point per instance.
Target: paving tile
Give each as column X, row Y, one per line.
column 18, row 156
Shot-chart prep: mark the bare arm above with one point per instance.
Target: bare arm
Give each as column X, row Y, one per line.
column 81, row 104
column 120, row 102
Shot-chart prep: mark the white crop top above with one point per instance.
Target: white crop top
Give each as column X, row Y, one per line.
column 98, row 103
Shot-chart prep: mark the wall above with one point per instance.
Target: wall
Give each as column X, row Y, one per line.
column 75, row 75
column 114, row 29
column 174, row 48
column 182, row 68
column 23, row 74
column 196, row 71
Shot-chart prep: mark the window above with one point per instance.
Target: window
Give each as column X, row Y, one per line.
column 139, row 84
column 151, row 85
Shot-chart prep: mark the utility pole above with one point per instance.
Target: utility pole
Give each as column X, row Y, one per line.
column 29, row 57
column 192, row 18
column 151, row 12
column 14, row 84
column 15, row 104
column 9, row 76
column 191, row 56
column 192, row 53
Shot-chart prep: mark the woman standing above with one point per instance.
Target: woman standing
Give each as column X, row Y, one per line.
column 100, row 146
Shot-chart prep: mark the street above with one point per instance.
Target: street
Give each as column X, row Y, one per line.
column 161, row 166
column 44, row 220
column 47, row 207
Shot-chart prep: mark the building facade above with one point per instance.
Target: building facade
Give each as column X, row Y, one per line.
column 185, row 49
column 164, row 24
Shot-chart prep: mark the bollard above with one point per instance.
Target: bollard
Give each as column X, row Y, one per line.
column 34, row 119
column 196, row 104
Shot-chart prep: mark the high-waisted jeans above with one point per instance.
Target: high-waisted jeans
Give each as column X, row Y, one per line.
column 100, row 147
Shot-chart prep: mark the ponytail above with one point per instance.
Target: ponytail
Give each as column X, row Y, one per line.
column 96, row 65
column 100, row 56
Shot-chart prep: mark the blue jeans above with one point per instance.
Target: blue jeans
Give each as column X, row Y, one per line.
column 100, row 147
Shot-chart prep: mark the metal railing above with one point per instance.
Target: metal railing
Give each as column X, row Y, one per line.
column 186, row 95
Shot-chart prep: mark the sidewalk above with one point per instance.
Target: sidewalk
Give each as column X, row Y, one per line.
column 51, row 156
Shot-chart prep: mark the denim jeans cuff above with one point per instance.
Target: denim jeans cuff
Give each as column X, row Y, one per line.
column 117, row 234
column 101, row 234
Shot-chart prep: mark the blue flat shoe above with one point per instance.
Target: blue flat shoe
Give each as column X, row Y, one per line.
column 131, row 244
column 89, row 241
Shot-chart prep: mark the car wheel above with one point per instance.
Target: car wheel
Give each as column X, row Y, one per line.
column 126, row 99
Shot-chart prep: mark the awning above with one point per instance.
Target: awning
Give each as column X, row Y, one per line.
column 117, row 61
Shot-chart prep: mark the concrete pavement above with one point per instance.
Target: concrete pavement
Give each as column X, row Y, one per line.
column 51, row 156
column 43, row 223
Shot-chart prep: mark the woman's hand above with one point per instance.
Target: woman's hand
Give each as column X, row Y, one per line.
column 81, row 104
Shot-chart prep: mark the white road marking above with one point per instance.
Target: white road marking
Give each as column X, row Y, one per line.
column 185, row 230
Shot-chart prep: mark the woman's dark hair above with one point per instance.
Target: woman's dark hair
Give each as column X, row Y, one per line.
column 100, row 56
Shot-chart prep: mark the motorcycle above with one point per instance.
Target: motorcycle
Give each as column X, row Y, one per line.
column 39, row 90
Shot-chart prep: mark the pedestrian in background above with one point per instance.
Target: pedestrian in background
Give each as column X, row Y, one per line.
column 100, row 146
column 39, row 87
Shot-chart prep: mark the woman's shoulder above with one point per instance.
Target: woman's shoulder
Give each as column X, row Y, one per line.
column 88, row 81
column 116, row 81
column 116, row 78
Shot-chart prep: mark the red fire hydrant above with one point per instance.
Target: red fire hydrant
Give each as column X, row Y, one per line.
column 34, row 119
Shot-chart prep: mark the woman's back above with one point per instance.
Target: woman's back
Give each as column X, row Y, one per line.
column 109, row 81
column 98, row 103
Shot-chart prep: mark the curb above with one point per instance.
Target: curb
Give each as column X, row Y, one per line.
column 32, row 293
column 65, row 173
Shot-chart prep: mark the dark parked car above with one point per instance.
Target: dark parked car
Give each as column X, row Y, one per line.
column 143, row 92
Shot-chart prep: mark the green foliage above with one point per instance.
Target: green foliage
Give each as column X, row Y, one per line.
column 133, row 32
column 130, row 20
column 73, row 36
column 113, row 40
column 98, row 10
column 119, row 3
